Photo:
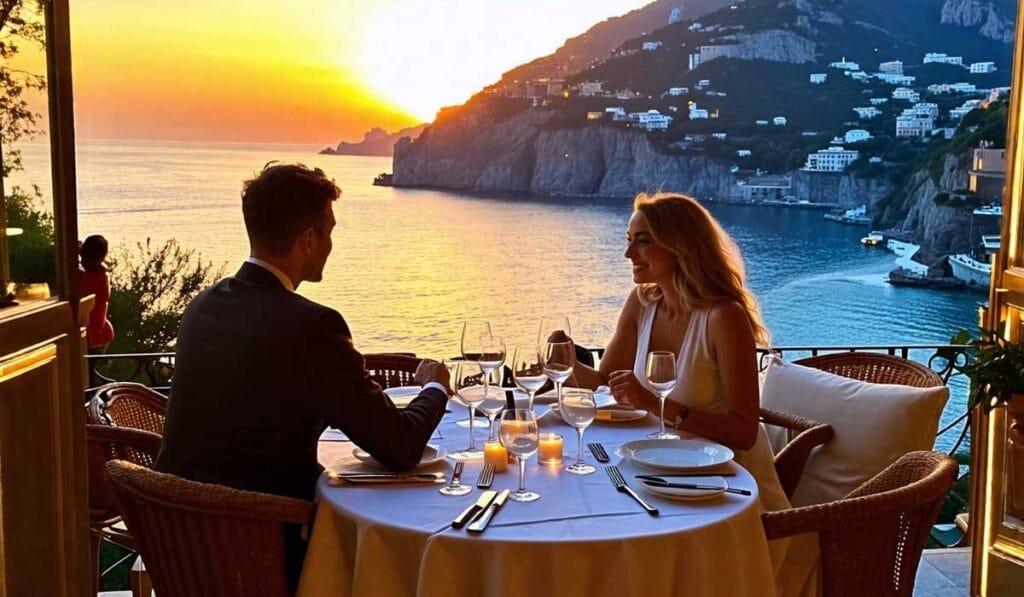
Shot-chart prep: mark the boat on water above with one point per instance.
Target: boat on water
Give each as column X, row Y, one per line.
column 873, row 239
column 903, row 277
column 857, row 216
column 996, row 209
column 974, row 269
column 384, row 179
column 901, row 248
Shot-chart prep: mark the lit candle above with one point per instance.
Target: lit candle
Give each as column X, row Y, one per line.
column 496, row 454
column 549, row 451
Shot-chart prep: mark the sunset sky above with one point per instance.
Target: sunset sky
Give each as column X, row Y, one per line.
column 315, row 71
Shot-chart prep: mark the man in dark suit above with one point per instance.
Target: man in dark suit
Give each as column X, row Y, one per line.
column 260, row 370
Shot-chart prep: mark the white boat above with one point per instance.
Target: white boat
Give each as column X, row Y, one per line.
column 991, row 243
column 901, row 248
column 970, row 270
column 873, row 239
column 995, row 209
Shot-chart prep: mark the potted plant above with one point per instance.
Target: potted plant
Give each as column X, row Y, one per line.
column 996, row 370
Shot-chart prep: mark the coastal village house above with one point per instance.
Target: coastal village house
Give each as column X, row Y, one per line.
column 45, row 537
column 819, row 78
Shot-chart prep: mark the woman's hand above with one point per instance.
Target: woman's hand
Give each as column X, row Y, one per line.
column 627, row 389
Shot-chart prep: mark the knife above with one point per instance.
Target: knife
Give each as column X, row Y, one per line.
column 664, row 483
column 478, row 525
column 383, row 478
column 663, row 476
column 481, row 504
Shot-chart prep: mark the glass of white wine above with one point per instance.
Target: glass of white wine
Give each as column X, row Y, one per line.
column 492, row 357
column 528, row 371
column 521, row 437
column 661, row 377
column 578, row 408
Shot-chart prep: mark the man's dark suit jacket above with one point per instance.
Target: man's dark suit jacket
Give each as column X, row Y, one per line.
column 260, row 371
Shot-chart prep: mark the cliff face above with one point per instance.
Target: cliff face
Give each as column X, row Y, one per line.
column 991, row 20
column 776, row 45
column 521, row 154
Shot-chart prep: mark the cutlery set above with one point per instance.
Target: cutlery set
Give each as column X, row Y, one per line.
column 479, row 515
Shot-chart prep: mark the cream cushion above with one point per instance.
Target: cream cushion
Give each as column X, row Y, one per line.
column 874, row 425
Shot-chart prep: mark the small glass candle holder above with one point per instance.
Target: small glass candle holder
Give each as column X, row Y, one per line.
column 549, row 450
column 496, row 454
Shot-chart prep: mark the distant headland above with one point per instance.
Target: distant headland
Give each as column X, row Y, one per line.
column 376, row 142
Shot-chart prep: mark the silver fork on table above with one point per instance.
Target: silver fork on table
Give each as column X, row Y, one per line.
column 620, row 483
column 455, row 486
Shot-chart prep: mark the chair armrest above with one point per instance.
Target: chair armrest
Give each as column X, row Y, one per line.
column 791, row 460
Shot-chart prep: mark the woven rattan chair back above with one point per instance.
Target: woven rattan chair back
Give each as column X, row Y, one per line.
column 107, row 443
column 126, row 404
column 871, row 540
column 875, row 368
column 805, row 434
column 201, row 539
column 392, row 370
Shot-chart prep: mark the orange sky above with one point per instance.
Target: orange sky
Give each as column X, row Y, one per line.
column 309, row 71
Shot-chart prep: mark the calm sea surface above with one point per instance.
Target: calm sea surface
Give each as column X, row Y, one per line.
column 409, row 265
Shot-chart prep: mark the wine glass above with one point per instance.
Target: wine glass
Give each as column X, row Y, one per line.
column 492, row 356
column 549, row 324
column 578, row 408
column 520, row 436
column 559, row 360
column 473, row 331
column 491, row 407
column 661, row 377
column 466, row 381
column 528, row 371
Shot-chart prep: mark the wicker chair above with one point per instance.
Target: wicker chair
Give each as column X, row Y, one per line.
column 805, row 435
column 126, row 404
column 871, row 540
column 107, row 443
column 875, row 368
column 392, row 370
column 200, row 539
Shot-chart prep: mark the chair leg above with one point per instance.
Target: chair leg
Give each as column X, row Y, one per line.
column 141, row 585
column 94, row 549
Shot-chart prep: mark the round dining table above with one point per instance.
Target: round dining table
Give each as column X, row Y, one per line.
column 582, row 537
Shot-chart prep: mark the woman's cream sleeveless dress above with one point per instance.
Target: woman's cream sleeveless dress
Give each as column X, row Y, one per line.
column 700, row 387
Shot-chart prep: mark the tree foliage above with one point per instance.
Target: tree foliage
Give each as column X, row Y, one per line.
column 21, row 24
column 150, row 288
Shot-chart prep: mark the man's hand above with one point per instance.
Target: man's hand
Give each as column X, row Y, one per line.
column 627, row 389
column 559, row 336
column 432, row 371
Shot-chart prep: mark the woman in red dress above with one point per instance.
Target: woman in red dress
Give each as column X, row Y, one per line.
column 92, row 279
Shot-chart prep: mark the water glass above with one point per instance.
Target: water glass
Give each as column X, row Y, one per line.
column 466, row 380
column 661, row 377
column 528, row 371
column 578, row 407
column 559, row 360
column 520, row 436
column 471, row 342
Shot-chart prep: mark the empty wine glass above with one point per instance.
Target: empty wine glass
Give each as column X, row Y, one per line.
column 520, row 436
column 491, row 407
column 578, row 408
column 559, row 360
column 661, row 377
column 473, row 332
column 466, row 380
column 528, row 371
column 549, row 324
column 492, row 357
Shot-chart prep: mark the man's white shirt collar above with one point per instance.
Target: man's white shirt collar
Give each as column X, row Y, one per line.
column 287, row 283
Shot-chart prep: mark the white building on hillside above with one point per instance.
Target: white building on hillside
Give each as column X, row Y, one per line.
column 939, row 88
column 926, row 108
column 720, row 136
column 677, row 91
column 878, row 101
column 967, row 106
column 652, row 120
column 742, row 153
column 703, row 83
column 982, row 67
column 844, row 65
column 912, row 124
column 895, row 79
column 942, row 58
column 694, row 60
column 779, row 121
column 833, row 159
column 650, row 46
column 856, row 136
column 761, row 122
column 906, row 93
column 963, row 88
column 819, row 78
column 590, row 88
column 697, row 113
column 894, row 67
column 867, row 113
column 617, row 113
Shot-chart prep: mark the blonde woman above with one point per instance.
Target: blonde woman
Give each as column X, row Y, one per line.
column 690, row 299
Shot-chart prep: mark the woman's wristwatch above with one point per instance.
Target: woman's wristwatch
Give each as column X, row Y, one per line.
column 684, row 411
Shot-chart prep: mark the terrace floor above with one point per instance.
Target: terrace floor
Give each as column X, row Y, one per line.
column 944, row 573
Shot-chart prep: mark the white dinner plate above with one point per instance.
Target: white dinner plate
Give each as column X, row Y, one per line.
column 403, row 395
column 678, row 493
column 676, row 454
column 602, row 396
column 431, row 455
column 612, row 414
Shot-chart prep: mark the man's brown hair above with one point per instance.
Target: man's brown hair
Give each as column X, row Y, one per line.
column 282, row 201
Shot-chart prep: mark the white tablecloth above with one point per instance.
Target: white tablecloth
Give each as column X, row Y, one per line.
column 581, row 538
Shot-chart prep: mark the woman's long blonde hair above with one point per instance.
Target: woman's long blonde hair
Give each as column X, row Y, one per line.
column 709, row 268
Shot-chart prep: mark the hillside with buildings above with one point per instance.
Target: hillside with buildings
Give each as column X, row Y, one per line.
column 827, row 102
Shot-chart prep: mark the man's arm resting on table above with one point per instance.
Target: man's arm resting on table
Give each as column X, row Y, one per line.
column 347, row 398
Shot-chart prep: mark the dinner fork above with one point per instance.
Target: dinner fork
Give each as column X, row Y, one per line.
column 486, row 477
column 455, row 487
column 620, row 483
